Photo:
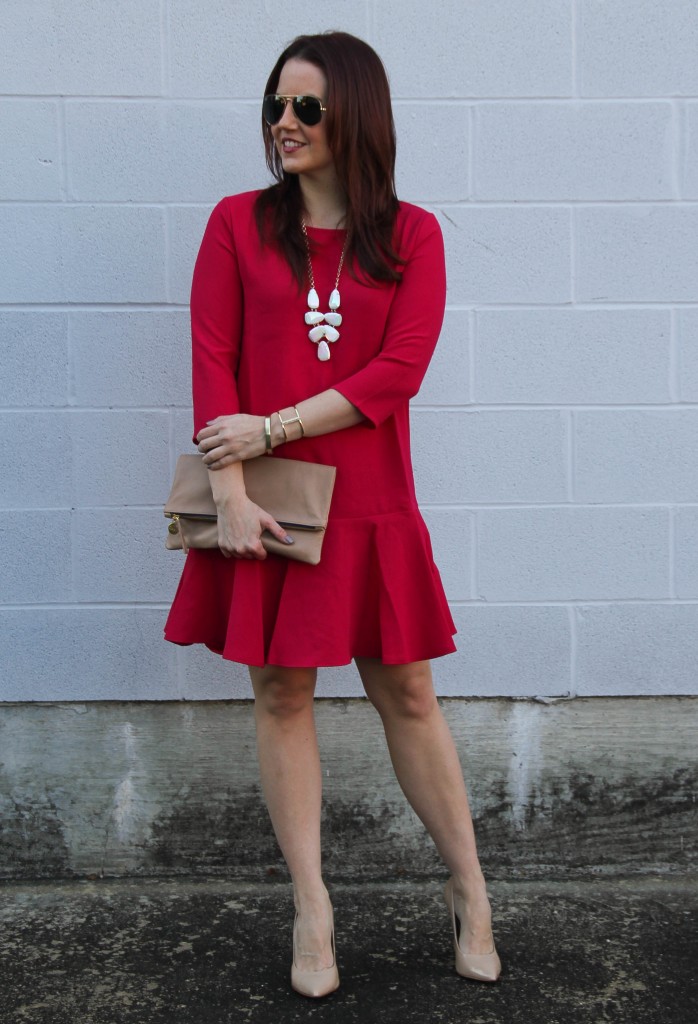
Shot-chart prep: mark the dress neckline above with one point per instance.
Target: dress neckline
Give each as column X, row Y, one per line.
column 331, row 231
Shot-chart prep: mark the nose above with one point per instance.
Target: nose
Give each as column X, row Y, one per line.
column 288, row 118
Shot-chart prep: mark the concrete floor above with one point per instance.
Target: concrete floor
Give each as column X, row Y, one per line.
column 204, row 951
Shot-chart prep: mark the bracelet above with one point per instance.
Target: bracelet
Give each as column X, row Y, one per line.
column 298, row 417
column 286, row 423
column 267, row 435
column 283, row 427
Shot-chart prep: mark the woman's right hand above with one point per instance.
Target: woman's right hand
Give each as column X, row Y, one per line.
column 240, row 527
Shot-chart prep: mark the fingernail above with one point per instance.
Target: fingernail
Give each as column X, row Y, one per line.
column 288, row 540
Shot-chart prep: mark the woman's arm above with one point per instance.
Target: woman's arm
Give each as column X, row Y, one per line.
column 231, row 439
column 216, row 326
column 216, row 307
column 371, row 394
column 414, row 324
column 241, row 522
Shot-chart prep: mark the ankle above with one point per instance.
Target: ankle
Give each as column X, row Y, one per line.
column 470, row 885
column 309, row 899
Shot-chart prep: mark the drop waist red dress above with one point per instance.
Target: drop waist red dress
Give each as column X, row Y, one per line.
column 376, row 592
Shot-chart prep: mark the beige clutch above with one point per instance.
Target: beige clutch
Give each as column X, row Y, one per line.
column 297, row 494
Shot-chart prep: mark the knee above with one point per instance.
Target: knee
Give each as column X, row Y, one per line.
column 283, row 693
column 408, row 692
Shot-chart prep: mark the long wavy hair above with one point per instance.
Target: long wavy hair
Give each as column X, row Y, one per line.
column 361, row 137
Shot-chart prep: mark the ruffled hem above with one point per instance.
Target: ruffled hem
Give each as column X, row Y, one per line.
column 375, row 594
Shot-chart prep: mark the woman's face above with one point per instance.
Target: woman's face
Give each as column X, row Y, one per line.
column 303, row 148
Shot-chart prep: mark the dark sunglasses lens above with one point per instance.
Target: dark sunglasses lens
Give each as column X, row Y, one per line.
column 307, row 109
column 273, row 109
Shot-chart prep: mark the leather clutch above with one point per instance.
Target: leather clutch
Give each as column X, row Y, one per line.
column 297, row 495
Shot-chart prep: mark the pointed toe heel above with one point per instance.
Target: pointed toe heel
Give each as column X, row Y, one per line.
column 314, row 984
column 478, row 966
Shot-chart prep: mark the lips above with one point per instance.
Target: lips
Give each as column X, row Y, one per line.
column 291, row 145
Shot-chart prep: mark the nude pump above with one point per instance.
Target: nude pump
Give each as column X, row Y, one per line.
column 315, row 984
column 478, row 966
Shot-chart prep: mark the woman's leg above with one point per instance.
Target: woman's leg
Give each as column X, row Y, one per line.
column 289, row 764
column 427, row 767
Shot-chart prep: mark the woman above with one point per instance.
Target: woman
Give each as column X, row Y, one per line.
column 329, row 235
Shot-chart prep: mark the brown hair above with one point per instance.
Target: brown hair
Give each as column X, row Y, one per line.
column 361, row 137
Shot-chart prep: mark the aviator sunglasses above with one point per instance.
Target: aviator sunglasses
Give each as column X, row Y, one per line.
column 308, row 109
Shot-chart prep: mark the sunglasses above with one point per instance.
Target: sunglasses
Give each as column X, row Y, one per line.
column 308, row 109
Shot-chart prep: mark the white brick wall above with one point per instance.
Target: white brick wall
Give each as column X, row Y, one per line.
column 556, row 435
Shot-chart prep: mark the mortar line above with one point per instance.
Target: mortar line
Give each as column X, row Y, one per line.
column 164, row 48
column 672, row 551
column 575, row 24
column 70, row 383
column 678, row 130
column 179, row 671
column 577, row 602
column 62, row 150
column 574, row 614
column 417, row 410
column 474, row 554
column 435, row 100
column 574, row 256
column 427, row 506
column 72, row 532
column 66, row 190
column 167, row 261
column 553, row 407
column 475, row 305
column 171, row 440
column 674, row 368
column 684, row 150
column 571, row 456
column 563, row 506
column 473, row 128
column 473, row 326
column 438, row 203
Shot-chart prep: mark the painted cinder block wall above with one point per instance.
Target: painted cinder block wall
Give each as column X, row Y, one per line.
column 556, row 435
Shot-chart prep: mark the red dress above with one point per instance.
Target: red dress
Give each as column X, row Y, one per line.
column 376, row 592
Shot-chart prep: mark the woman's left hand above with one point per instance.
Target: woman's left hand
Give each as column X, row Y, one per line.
column 229, row 439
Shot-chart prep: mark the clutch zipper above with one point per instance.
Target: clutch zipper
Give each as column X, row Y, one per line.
column 176, row 516
column 189, row 515
column 207, row 517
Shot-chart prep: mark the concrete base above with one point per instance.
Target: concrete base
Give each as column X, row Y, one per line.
column 199, row 952
column 603, row 785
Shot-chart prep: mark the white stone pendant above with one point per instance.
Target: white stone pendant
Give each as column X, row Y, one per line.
column 317, row 333
column 323, row 326
column 315, row 318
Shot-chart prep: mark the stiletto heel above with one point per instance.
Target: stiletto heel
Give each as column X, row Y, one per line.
column 315, row 984
column 478, row 966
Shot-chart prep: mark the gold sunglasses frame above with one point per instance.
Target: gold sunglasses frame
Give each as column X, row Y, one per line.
column 290, row 99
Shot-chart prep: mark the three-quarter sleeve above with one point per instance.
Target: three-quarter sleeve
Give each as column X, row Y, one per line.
column 412, row 330
column 216, row 322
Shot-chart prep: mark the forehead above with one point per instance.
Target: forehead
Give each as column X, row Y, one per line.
column 300, row 76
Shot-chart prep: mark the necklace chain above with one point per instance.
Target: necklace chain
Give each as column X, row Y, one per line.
column 323, row 325
column 311, row 277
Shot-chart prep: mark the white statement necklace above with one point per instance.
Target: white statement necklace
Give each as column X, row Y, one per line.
column 323, row 326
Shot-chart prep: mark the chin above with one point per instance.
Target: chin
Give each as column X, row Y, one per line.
column 292, row 165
